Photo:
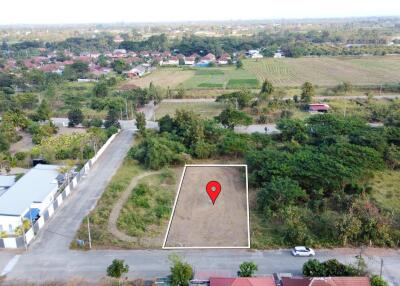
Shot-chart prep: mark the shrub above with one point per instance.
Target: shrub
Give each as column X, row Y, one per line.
column 247, row 269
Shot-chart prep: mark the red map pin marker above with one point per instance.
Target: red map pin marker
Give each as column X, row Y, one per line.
column 213, row 189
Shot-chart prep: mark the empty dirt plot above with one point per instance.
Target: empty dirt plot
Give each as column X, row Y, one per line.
column 198, row 223
column 165, row 77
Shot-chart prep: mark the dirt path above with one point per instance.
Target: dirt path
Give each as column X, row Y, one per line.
column 112, row 221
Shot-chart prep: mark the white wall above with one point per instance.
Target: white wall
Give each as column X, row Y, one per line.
column 5, row 221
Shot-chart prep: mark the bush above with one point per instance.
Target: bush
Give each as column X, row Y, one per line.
column 377, row 281
column 156, row 152
column 117, row 268
column 247, row 269
column 332, row 267
column 181, row 272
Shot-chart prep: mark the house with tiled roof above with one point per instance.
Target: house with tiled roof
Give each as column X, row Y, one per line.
column 242, row 281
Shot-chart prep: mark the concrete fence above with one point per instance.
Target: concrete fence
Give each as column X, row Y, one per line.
column 23, row 241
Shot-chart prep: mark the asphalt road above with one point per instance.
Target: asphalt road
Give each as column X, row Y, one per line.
column 320, row 97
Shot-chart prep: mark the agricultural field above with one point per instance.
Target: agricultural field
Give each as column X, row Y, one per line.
column 285, row 72
column 221, row 78
column 326, row 71
column 204, row 109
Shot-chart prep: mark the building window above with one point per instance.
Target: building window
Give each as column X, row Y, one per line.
column 10, row 228
column 1, row 227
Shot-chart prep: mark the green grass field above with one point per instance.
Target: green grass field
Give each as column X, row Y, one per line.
column 204, row 109
column 242, row 83
column 386, row 190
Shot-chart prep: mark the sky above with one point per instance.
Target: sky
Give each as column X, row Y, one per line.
column 100, row 11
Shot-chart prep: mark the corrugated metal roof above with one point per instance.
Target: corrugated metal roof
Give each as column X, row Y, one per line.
column 34, row 186
column 7, row 181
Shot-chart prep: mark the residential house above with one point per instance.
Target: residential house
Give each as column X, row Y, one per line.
column 119, row 53
column 190, row 61
column 242, row 281
column 326, row 281
column 208, row 58
column 171, row 61
column 118, row 39
column 254, row 54
column 318, row 107
column 224, row 59
column 28, row 197
column 139, row 71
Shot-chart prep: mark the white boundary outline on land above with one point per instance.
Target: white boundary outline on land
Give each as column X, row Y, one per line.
column 176, row 201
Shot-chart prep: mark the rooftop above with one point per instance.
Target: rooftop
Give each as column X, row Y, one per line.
column 34, row 186
column 327, row 281
column 242, row 281
column 7, row 181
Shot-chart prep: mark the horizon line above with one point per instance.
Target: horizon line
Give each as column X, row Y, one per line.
column 200, row 21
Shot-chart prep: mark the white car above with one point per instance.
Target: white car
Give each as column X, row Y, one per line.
column 303, row 251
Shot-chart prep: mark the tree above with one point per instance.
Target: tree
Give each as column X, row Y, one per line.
column 117, row 269
column 281, row 191
column 307, row 92
column 75, row 117
column 247, row 269
column 112, row 118
column 166, row 123
column 181, row 272
column 44, row 111
column 100, row 89
column 292, row 129
column 4, row 144
column 239, row 64
column 119, row 66
column 378, row 281
column 230, row 118
column 141, row 122
column 240, row 99
column 155, row 152
column 267, row 87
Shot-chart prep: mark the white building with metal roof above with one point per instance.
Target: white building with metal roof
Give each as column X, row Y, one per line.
column 28, row 197
column 6, row 182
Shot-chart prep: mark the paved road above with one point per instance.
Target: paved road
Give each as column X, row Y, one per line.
column 148, row 264
column 210, row 99
column 57, row 234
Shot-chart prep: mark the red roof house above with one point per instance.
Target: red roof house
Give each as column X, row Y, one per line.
column 242, row 281
column 326, row 281
column 319, row 107
column 208, row 57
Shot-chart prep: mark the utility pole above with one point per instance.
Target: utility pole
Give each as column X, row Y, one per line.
column 90, row 238
column 380, row 273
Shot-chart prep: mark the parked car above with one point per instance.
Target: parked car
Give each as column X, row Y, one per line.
column 303, row 251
